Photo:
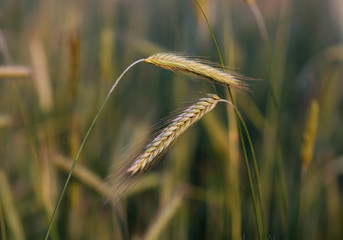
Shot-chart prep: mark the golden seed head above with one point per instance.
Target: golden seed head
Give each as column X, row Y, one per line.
column 174, row 130
column 195, row 67
column 309, row 134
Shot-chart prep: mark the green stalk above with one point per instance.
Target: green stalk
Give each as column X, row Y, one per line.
column 296, row 229
column 239, row 117
column 83, row 144
column 243, row 144
column 2, row 224
column 267, row 45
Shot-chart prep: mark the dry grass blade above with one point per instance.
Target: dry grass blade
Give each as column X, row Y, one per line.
column 41, row 73
column 174, row 62
column 169, row 134
column 166, row 214
column 11, row 216
column 14, row 72
column 94, row 182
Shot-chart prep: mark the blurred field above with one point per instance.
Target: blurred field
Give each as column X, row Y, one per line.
column 58, row 59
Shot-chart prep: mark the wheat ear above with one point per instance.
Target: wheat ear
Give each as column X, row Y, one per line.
column 174, row 62
column 174, row 130
column 309, row 135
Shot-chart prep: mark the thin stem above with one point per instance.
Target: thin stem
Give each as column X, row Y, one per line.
column 239, row 117
column 268, row 47
column 295, row 234
column 2, row 224
column 121, row 75
column 248, row 170
column 212, row 34
column 259, row 192
column 255, row 167
column 83, row 144
column 260, row 23
column 243, row 144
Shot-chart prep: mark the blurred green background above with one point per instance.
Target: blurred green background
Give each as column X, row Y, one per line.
column 58, row 59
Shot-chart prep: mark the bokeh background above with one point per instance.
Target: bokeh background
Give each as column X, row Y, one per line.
column 58, row 59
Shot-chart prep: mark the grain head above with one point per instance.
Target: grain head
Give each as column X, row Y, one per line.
column 195, row 67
